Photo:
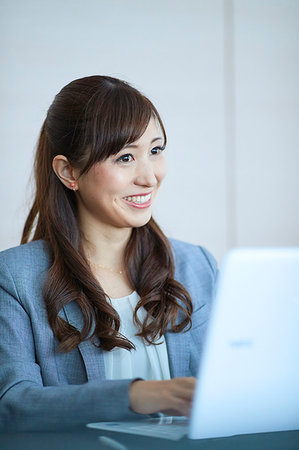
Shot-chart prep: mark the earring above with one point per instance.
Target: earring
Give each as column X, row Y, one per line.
column 74, row 186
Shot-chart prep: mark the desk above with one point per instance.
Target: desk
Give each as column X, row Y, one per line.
column 82, row 438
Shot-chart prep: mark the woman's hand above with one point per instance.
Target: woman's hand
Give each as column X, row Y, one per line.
column 172, row 397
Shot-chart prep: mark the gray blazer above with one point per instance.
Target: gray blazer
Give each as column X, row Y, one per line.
column 43, row 389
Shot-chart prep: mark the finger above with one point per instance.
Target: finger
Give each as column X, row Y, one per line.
column 186, row 381
column 179, row 408
column 184, row 390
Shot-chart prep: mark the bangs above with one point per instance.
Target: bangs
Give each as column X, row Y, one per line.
column 114, row 120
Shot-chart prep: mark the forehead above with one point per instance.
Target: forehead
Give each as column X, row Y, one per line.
column 152, row 133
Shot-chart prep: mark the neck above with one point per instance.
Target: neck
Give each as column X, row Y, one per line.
column 106, row 245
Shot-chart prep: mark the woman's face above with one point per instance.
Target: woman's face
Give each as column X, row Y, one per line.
column 120, row 191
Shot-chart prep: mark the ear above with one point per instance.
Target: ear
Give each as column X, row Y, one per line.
column 65, row 172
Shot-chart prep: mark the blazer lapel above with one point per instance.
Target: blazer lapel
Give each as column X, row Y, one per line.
column 178, row 348
column 92, row 355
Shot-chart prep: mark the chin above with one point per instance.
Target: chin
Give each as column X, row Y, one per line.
column 141, row 222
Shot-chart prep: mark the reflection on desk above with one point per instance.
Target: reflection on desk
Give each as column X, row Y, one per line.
column 82, row 438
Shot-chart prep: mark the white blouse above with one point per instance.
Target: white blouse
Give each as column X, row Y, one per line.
column 149, row 362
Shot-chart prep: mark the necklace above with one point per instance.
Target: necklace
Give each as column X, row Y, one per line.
column 119, row 272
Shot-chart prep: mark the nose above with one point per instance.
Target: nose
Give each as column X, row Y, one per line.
column 145, row 175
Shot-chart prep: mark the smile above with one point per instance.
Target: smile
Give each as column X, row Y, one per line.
column 138, row 198
column 139, row 201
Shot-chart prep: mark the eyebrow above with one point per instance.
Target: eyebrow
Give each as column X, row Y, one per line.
column 160, row 138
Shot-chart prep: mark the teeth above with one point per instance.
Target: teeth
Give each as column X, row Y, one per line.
column 138, row 198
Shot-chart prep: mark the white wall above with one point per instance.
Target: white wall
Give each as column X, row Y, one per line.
column 222, row 74
column 267, row 122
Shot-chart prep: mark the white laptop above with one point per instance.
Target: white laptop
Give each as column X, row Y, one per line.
column 248, row 380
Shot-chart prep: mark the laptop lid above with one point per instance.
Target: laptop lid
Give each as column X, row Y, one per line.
column 248, row 381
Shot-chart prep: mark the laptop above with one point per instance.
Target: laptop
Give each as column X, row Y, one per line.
column 248, row 379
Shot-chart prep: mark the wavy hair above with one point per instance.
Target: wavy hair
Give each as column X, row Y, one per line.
column 90, row 119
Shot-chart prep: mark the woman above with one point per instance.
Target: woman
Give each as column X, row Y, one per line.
column 102, row 317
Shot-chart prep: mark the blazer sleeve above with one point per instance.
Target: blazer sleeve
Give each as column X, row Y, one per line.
column 25, row 404
column 203, row 296
column 196, row 270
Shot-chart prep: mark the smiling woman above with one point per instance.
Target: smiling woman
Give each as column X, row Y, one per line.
column 102, row 315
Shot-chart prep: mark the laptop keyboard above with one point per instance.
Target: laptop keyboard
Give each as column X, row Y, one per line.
column 173, row 428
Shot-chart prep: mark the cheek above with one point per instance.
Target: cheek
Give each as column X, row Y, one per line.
column 111, row 181
column 161, row 170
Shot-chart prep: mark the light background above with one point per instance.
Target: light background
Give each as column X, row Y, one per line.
column 222, row 73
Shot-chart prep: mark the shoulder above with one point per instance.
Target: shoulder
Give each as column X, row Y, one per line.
column 196, row 270
column 26, row 257
column 188, row 256
column 23, row 268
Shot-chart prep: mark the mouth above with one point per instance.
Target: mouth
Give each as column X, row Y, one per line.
column 139, row 201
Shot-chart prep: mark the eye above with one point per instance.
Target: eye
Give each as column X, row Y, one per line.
column 125, row 158
column 157, row 150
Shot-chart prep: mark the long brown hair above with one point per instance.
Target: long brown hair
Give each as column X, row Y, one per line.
column 90, row 119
